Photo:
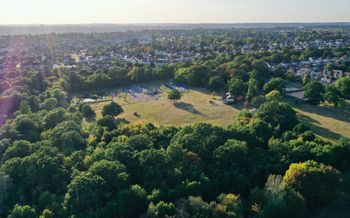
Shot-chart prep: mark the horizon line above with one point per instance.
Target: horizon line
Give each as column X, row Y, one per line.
column 175, row 23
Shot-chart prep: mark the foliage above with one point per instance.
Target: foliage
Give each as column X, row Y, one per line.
column 280, row 115
column 216, row 82
column 174, row 95
column 112, row 109
column 274, row 95
column 317, row 182
column 275, row 84
column 314, row 92
column 22, row 212
column 237, row 87
column 343, row 86
column 332, row 95
column 87, row 111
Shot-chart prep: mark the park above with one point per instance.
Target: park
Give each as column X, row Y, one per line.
column 148, row 103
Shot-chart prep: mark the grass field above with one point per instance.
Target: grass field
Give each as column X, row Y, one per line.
column 198, row 105
column 195, row 106
column 326, row 121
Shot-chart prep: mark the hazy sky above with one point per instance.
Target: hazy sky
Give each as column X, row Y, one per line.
column 171, row 11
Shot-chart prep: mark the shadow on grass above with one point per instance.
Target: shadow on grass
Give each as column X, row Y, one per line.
column 307, row 119
column 122, row 121
column 341, row 114
column 238, row 106
column 314, row 126
column 187, row 107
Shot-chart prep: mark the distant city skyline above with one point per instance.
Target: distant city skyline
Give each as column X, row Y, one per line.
column 172, row 11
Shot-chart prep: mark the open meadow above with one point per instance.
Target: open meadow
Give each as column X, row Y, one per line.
column 149, row 104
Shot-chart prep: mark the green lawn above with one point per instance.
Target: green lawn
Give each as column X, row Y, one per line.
column 195, row 106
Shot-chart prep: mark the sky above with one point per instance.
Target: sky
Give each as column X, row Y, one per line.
column 172, row 11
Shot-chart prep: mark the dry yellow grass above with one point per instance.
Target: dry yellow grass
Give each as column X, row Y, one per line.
column 199, row 106
column 195, row 106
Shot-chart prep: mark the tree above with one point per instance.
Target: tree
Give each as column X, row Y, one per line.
column 131, row 202
column 280, row 115
column 237, row 87
column 229, row 205
column 261, row 130
column 87, row 111
column 47, row 214
column 85, row 195
column 5, row 185
column 277, row 200
column 22, row 212
column 107, row 121
column 262, row 69
column 152, row 167
column 274, row 95
column 49, row 104
column 231, row 153
column 196, row 75
column 314, row 92
column 67, row 136
column 258, row 101
column 113, row 172
column 54, row 117
column 253, row 89
column 317, row 182
column 332, row 95
column 19, row 148
column 137, row 74
column 343, row 86
column 27, row 128
column 306, row 79
column 275, row 84
column 161, row 209
column 174, row 95
column 24, row 107
column 216, row 82
column 199, row 208
column 112, row 109
column 34, row 103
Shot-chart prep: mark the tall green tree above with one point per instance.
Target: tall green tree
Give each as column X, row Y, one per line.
column 237, row 87
column 253, row 89
column 343, row 86
column 314, row 92
column 332, row 95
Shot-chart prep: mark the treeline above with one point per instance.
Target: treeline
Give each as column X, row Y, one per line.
column 336, row 94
